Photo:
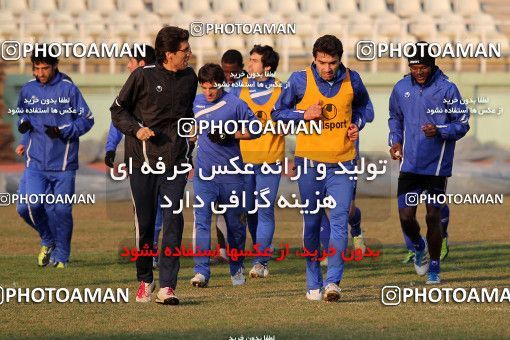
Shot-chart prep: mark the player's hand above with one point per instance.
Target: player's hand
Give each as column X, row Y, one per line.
column 144, row 134
column 314, row 111
column 25, row 126
column 20, row 150
column 221, row 138
column 52, row 131
column 353, row 132
column 396, row 151
column 430, row 130
column 109, row 158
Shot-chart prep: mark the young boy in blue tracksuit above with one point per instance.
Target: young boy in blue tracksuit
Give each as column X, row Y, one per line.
column 216, row 149
column 260, row 92
column 53, row 115
column 426, row 119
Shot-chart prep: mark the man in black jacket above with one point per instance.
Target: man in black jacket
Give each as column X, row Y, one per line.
column 147, row 111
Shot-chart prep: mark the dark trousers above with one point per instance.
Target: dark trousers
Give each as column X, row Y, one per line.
column 145, row 190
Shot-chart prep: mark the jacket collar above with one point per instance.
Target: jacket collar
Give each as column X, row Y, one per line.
column 172, row 73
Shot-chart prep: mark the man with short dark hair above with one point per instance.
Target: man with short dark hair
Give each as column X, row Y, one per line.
column 53, row 116
column 147, row 111
column 330, row 92
column 232, row 66
column 426, row 119
column 115, row 136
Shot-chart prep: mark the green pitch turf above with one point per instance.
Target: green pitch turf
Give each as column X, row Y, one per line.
column 276, row 306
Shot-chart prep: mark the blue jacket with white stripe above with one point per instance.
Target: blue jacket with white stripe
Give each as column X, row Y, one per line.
column 58, row 103
column 437, row 102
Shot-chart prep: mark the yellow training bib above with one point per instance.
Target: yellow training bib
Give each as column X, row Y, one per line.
column 332, row 145
column 268, row 147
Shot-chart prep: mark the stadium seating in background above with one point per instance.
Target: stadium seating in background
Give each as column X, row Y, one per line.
column 131, row 7
column 62, row 23
column 286, row 8
column 343, row 8
column 196, row 7
column 45, row 7
column 256, row 8
column 166, row 8
column 467, row 8
column 226, row 8
column 103, row 7
column 8, row 27
column 16, row 7
column 407, row 8
column 73, row 7
column 314, row 8
column 382, row 20
column 437, row 8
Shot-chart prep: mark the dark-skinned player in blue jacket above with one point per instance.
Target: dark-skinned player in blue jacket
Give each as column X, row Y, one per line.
column 426, row 119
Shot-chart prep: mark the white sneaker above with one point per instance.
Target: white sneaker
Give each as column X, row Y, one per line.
column 421, row 261
column 166, row 296
column 144, row 291
column 314, row 294
column 238, row 279
column 199, row 281
column 332, row 292
column 259, row 271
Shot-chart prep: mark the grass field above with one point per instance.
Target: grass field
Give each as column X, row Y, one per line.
column 479, row 257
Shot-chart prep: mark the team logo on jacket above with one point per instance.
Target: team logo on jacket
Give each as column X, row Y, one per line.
column 262, row 116
column 159, row 88
column 329, row 111
column 407, row 94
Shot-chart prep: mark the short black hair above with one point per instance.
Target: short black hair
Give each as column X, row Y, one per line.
column 269, row 56
column 233, row 57
column 169, row 39
column 328, row 44
column 211, row 73
column 150, row 55
column 44, row 55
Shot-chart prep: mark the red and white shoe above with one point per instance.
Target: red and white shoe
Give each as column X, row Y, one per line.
column 166, row 296
column 144, row 291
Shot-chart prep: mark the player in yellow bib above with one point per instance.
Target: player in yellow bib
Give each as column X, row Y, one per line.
column 329, row 92
column 260, row 91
